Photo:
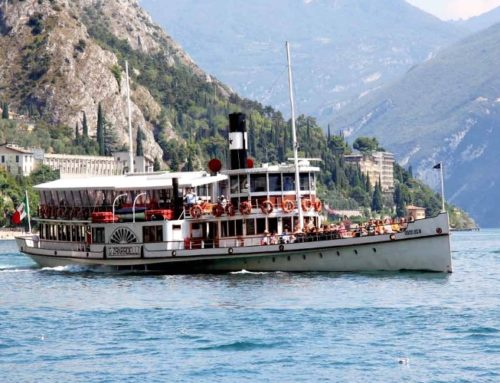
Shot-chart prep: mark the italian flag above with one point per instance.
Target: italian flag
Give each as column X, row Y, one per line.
column 21, row 212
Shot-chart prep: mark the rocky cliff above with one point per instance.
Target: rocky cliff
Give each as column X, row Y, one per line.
column 52, row 68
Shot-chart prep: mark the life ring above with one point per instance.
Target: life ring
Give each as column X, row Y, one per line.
column 195, row 211
column 245, row 207
column 230, row 210
column 306, row 204
column 266, row 207
column 217, row 210
column 288, row 206
column 318, row 205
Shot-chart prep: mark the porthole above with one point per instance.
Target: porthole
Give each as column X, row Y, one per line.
column 338, row 253
column 288, row 257
column 304, row 256
column 321, row 255
column 274, row 259
column 355, row 251
column 374, row 250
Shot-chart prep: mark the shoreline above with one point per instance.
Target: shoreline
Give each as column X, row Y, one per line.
column 10, row 234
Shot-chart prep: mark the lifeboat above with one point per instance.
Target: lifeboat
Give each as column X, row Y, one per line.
column 104, row 217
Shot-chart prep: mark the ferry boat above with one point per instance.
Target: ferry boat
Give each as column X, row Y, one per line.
column 142, row 222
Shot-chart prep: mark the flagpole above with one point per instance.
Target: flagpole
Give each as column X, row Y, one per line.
column 443, row 210
column 28, row 210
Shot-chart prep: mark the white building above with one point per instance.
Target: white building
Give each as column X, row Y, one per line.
column 377, row 166
column 16, row 160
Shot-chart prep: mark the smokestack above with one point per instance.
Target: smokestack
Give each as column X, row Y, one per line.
column 238, row 143
column 177, row 201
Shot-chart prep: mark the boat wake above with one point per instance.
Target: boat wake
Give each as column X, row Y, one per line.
column 77, row 269
column 242, row 272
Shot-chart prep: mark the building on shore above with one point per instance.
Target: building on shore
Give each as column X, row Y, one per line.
column 416, row 212
column 21, row 161
column 16, row 160
column 378, row 166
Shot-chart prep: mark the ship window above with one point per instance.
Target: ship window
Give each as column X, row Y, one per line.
column 152, row 234
column 176, row 227
column 261, row 225
column 234, row 184
column 250, row 227
column 312, row 178
column 288, row 182
column 275, row 182
column 98, row 235
column 273, row 225
column 243, row 183
column 258, row 183
column 239, row 226
column 304, row 181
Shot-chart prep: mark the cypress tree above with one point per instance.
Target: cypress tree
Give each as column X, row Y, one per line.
column 377, row 198
column 100, row 130
column 5, row 111
column 139, row 151
column 85, row 127
column 77, row 133
column 156, row 165
column 329, row 135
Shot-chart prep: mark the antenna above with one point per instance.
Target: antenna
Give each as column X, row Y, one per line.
column 130, row 143
column 294, row 138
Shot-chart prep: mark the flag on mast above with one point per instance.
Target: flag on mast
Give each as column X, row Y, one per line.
column 437, row 166
column 21, row 212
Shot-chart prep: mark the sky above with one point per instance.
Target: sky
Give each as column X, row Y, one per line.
column 455, row 9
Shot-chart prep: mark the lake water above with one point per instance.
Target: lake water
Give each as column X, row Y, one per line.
column 74, row 325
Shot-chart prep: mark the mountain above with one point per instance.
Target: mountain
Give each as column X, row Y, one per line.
column 477, row 23
column 342, row 49
column 447, row 108
column 56, row 63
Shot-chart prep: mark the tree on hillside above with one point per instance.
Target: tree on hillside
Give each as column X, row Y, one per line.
column 156, row 165
column 366, row 144
column 377, row 203
column 77, row 133
column 5, row 111
column 139, row 149
column 85, row 127
column 100, row 130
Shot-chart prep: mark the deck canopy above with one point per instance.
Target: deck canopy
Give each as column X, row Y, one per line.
column 133, row 182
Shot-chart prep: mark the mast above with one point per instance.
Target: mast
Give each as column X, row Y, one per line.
column 130, row 145
column 294, row 138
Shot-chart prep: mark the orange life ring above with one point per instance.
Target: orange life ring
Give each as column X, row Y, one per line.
column 318, row 205
column 288, row 205
column 245, row 207
column 217, row 210
column 266, row 207
column 195, row 211
column 230, row 210
column 306, row 204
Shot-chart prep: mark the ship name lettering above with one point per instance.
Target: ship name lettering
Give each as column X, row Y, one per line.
column 124, row 251
column 413, row 232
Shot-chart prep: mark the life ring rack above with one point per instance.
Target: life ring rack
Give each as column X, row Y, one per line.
column 245, row 207
column 266, row 207
column 195, row 211
column 217, row 210
column 288, row 206
column 318, row 205
column 306, row 204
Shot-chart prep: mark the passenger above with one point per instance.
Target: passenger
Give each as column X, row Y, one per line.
column 285, row 236
column 395, row 225
column 189, row 198
column 223, row 201
column 265, row 240
column 387, row 226
column 273, row 239
column 310, row 226
column 371, row 227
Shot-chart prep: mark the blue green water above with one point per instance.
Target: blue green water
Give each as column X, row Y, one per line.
column 75, row 325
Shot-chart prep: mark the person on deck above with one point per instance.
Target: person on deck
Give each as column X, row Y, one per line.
column 189, row 198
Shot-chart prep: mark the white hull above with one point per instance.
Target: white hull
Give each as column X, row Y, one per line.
column 424, row 246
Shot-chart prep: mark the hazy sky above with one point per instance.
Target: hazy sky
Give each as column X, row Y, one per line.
column 455, row 9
